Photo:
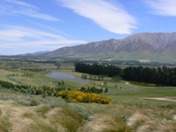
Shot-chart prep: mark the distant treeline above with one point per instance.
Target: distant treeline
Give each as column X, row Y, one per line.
column 97, row 69
column 160, row 76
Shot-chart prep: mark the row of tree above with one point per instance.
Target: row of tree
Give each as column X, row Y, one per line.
column 43, row 90
column 47, row 90
column 160, row 75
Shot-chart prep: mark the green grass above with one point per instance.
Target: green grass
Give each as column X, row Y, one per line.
column 143, row 84
column 119, row 92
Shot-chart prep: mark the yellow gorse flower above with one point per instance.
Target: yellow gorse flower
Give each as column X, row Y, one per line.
column 78, row 96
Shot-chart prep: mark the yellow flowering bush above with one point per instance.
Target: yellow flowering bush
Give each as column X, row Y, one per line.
column 78, row 96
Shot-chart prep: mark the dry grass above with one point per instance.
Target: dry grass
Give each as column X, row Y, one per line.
column 5, row 124
column 149, row 126
column 42, row 125
column 137, row 120
column 141, row 123
column 168, row 127
column 42, row 118
column 23, row 119
column 42, row 110
column 67, row 118
column 105, row 123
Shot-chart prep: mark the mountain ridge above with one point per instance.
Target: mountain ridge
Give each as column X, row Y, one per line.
column 152, row 46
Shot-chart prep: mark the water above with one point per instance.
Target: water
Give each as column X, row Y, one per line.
column 63, row 76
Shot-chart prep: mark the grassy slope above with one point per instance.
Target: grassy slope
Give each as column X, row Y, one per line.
column 54, row 115
column 127, row 102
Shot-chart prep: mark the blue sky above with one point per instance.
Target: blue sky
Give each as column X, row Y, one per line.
column 43, row 25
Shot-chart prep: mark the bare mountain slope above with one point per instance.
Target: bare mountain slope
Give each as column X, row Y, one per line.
column 150, row 46
column 105, row 46
column 148, row 41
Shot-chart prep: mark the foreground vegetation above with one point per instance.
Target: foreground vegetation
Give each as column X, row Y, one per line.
column 119, row 118
column 133, row 106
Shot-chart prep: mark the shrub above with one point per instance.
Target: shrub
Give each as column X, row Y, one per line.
column 6, row 84
column 33, row 103
column 91, row 90
column 78, row 96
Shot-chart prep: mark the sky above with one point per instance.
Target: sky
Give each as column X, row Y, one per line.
column 28, row 26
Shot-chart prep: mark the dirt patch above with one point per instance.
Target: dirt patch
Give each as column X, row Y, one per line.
column 127, row 83
column 164, row 99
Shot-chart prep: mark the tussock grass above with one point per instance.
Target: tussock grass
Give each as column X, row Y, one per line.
column 149, row 126
column 105, row 123
column 142, row 123
column 42, row 109
column 137, row 120
column 29, row 114
column 67, row 118
column 71, row 120
column 168, row 127
column 42, row 125
column 5, row 124
column 114, row 118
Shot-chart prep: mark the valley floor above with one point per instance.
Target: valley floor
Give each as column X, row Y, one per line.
column 133, row 108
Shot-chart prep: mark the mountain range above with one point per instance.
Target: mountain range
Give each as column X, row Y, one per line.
column 159, row 47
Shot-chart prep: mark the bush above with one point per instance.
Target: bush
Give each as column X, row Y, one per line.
column 91, row 90
column 6, row 84
column 33, row 103
column 78, row 96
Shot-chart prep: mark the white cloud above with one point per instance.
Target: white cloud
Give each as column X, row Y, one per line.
column 11, row 7
column 163, row 7
column 20, row 3
column 109, row 16
column 24, row 38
